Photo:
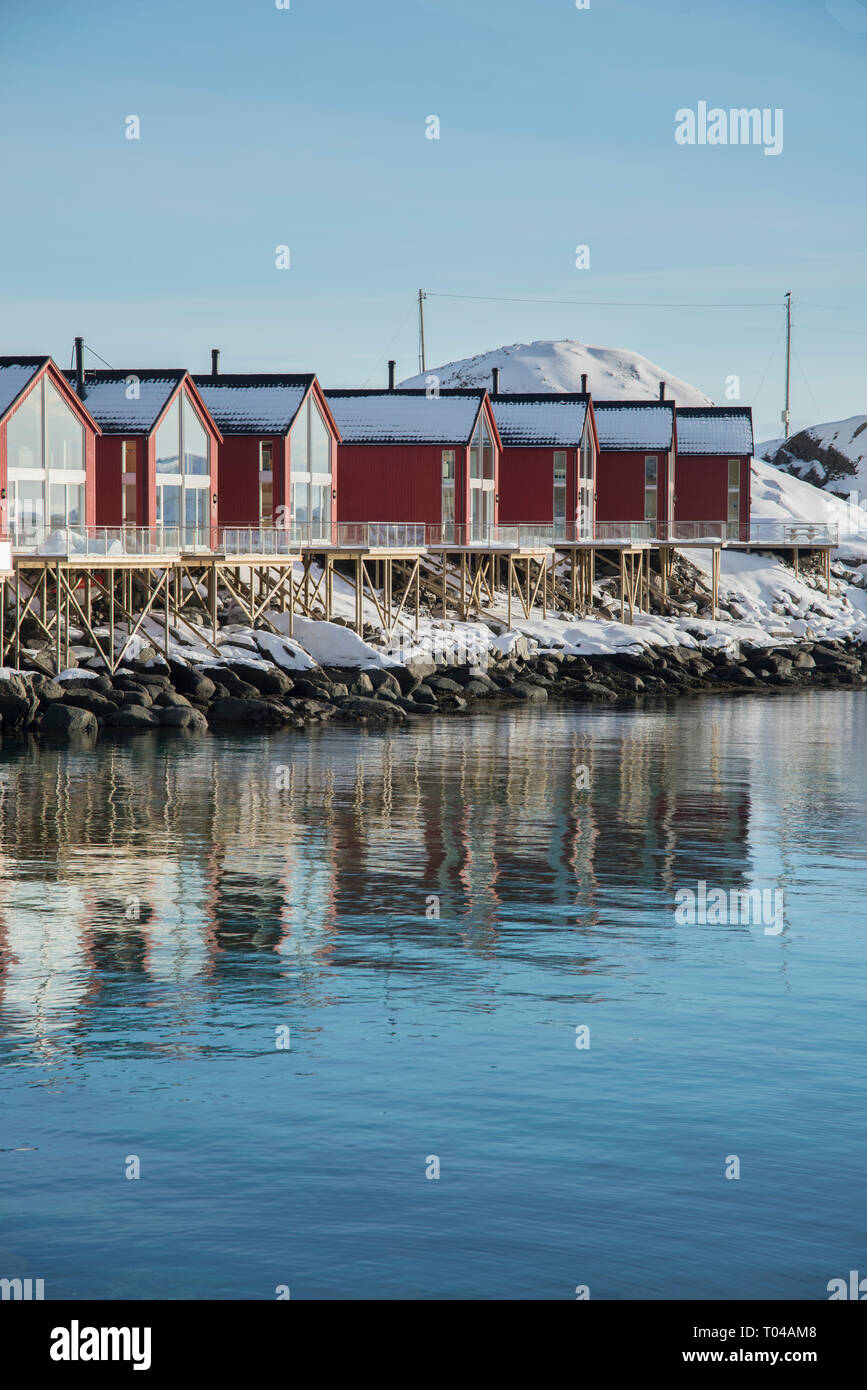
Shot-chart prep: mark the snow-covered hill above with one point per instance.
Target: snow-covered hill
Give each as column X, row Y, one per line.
column 832, row 456
column 557, row 366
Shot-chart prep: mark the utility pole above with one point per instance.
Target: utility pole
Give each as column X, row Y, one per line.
column 786, row 426
column 421, row 362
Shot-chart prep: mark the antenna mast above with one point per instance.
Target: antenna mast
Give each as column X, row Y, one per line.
column 786, row 425
column 421, row 361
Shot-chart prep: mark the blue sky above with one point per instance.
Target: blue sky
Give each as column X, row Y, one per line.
column 306, row 127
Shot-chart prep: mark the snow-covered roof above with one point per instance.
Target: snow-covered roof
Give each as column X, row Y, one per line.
column 549, row 418
column 717, row 430
column 254, row 403
column 128, row 402
column 405, row 417
column 15, row 374
column 634, row 424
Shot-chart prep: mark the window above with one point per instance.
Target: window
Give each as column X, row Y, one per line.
column 310, row 462
column 183, row 468
column 266, row 483
column 481, row 481
column 651, row 479
column 129, row 482
column 733, row 511
column 448, row 496
column 560, row 488
column 45, row 459
column 585, row 484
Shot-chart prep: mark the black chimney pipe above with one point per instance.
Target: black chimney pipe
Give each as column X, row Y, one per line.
column 79, row 368
column 391, row 367
column 215, row 361
column 495, row 380
column 583, row 383
column 662, row 390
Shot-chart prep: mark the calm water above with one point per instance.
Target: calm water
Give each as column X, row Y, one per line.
column 167, row 907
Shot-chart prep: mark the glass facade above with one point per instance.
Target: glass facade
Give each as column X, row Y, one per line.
column 481, row 482
column 45, row 461
column 182, row 447
column 310, row 454
column 651, row 487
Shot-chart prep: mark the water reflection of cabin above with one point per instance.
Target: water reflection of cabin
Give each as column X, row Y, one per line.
column 279, row 452
column 47, row 452
column 156, row 459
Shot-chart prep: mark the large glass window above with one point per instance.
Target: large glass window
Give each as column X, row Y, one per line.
column 733, row 515
column 45, row 458
column 481, row 483
column 487, row 453
column 310, row 452
column 168, row 442
column 560, row 488
column 651, row 480
column 476, row 453
column 64, row 434
column 129, row 466
column 195, row 438
column 182, row 447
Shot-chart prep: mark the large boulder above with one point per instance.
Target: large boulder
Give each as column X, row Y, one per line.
column 100, row 705
column 268, row 680
column 58, row 718
column 191, row 682
column 179, row 717
column 257, row 713
column 18, row 703
column 133, row 719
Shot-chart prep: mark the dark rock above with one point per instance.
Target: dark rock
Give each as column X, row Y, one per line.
column 361, row 684
column 443, row 685
column 100, row 705
column 170, row 699
column 132, row 719
column 405, row 679
column 363, row 708
column 188, row 681
column 58, row 718
column 178, row 717
column 261, row 713
column 523, row 690
column 266, row 680
column 137, row 697
column 423, row 695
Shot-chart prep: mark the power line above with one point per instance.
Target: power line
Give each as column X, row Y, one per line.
column 594, row 303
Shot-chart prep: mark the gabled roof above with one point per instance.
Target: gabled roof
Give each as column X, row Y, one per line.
column 542, row 418
column 717, row 429
column 254, row 402
column 107, row 399
column 16, row 374
column 628, row 425
column 406, row 416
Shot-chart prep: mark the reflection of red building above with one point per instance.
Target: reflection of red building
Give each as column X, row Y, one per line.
column 47, row 451
column 278, row 458
column 406, row 456
column 714, row 449
column 635, row 472
column 548, row 465
column 156, row 461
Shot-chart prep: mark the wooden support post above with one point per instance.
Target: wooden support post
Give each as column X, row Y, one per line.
column 828, row 572
column 511, row 574
column 57, row 615
column 17, row 629
column 622, row 586
column 715, row 568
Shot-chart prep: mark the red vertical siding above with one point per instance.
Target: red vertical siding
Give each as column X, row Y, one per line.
column 702, row 487
column 527, row 484
column 620, row 484
column 238, row 479
column 394, row 482
column 106, row 488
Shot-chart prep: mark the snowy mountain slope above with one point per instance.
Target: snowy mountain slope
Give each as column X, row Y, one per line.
column 614, row 373
column 832, row 456
column 779, row 496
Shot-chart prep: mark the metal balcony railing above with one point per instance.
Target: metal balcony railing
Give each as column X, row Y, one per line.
column 97, row 541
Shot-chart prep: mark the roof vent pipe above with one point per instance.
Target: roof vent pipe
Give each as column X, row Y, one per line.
column 215, row 361
column 79, row 368
column 584, row 383
column 662, row 390
column 391, row 367
column 495, row 380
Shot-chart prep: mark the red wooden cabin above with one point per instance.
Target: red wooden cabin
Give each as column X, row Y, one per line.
column 48, row 443
column 278, row 458
column 714, row 449
column 156, row 458
column 548, row 464
column 635, row 472
column 407, row 456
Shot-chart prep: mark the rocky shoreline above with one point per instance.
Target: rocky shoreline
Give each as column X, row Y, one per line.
column 255, row 696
